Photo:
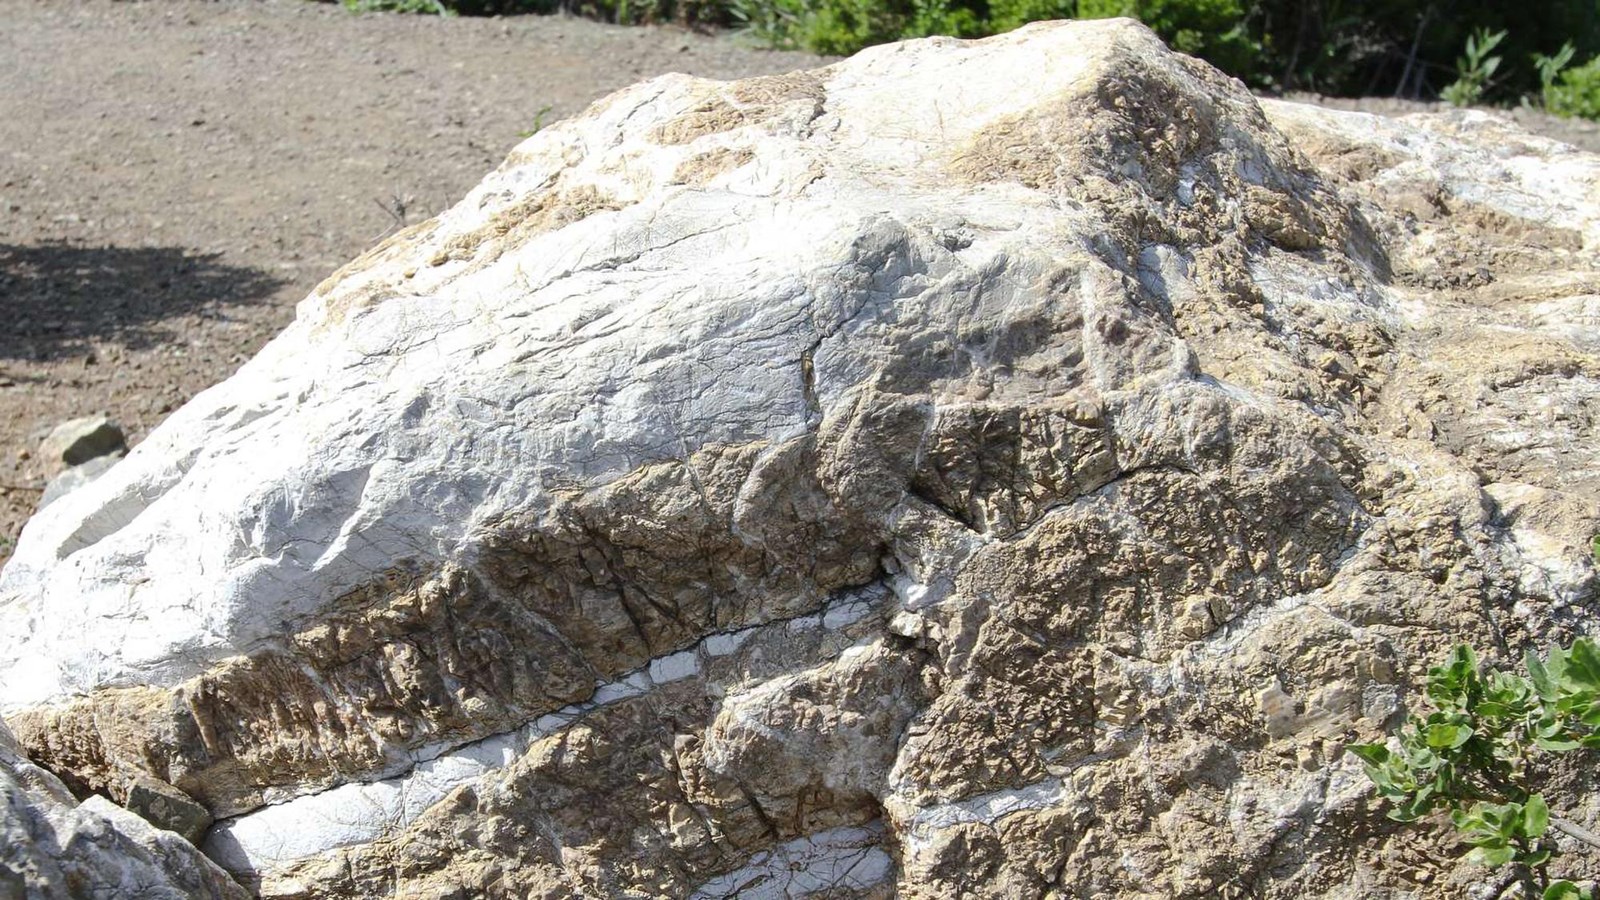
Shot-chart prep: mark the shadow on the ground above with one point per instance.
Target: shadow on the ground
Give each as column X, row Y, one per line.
column 56, row 297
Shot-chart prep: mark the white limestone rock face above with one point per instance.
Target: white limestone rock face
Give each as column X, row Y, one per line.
column 999, row 468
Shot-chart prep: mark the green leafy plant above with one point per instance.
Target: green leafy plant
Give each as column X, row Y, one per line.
column 1476, row 755
column 1475, row 69
column 1342, row 47
column 1576, row 93
column 1549, row 67
column 1213, row 29
column 769, row 22
column 930, row 17
column 1007, row 15
column 538, row 123
column 840, row 26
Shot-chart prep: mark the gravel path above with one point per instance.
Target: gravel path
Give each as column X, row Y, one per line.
column 175, row 176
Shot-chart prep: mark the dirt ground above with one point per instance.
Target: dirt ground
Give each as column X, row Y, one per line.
column 176, row 175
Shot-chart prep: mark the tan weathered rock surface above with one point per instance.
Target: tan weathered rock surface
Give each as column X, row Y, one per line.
column 1008, row 468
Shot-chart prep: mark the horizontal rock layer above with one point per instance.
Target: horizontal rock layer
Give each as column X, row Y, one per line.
column 996, row 468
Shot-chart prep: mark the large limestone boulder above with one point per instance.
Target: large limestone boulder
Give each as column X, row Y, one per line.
column 1007, row 468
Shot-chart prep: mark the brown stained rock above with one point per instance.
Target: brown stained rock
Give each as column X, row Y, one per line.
column 702, row 168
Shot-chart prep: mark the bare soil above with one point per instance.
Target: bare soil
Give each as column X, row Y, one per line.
column 175, row 176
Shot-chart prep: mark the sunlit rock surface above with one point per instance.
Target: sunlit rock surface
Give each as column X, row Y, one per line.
column 1002, row 468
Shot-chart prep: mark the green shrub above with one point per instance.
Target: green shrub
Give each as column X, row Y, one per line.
column 1474, row 69
column 1008, row 15
column 430, row 7
column 626, row 12
column 1214, row 30
column 1549, row 67
column 821, row 26
column 930, row 17
column 841, row 27
column 1400, row 47
column 1475, row 756
column 1576, row 92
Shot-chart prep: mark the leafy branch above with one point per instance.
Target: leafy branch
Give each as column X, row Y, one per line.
column 1475, row 69
column 1475, row 755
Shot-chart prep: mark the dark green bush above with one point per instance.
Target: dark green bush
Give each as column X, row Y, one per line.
column 449, row 7
column 1406, row 48
column 1006, row 15
column 840, row 27
column 432, row 7
column 1213, row 30
column 1576, row 92
column 626, row 12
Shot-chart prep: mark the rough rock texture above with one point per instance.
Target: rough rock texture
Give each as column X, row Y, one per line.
column 51, row 846
column 1011, row 468
column 164, row 806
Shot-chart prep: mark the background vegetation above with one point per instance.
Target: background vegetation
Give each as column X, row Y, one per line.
column 1405, row 48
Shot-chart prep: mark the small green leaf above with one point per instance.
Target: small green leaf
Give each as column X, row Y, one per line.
column 1562, row 890
column 1535, row 817
column 1497, row 823
column 1404, row 814
column 1379, row 777
column 1591, row 716
column 1448, row 736
column 1423, row 759
column 1376, row 754
column 1584, row 664
column 1491, row 709
column 1491, row 856
column 1542, row 683
column 1556, row 665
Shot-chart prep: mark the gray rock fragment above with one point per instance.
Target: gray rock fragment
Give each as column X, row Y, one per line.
column 164, row 806
column 53, row 846
column 77, row 441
